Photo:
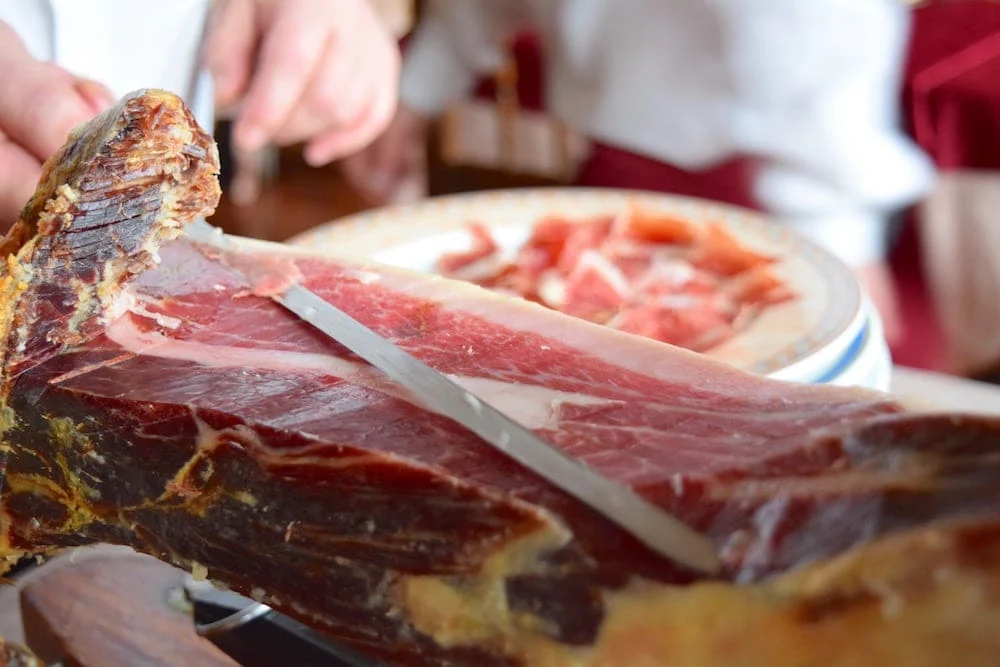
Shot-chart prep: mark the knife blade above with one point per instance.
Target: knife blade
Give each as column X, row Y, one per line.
column 651, row 525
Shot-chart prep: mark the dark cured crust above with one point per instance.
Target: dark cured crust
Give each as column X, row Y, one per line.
column 200, row 485
column 123, row 184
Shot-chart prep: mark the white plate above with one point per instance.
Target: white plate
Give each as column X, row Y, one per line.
column 798, row 340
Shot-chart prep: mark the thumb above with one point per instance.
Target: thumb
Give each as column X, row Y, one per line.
column 39, row 102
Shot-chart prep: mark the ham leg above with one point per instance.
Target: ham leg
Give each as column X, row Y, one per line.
column 150, row 398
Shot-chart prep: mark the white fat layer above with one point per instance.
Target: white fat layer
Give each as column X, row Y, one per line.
column 122, row 303
column 366, row 277
column 533, row 406
column 139, row 308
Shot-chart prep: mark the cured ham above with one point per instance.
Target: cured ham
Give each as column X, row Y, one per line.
column 151, row 398
column 657, row 276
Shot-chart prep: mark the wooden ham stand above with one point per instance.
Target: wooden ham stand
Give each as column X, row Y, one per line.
column 111, row 607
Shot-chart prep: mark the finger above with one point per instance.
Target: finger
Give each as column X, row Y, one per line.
column 229, row 49
column 341, row 141
column 20, row 172
column 289, row 55
column 351, row 80
column 360, row 101
column 95, row 94
column 39, row 104
column 334, row 96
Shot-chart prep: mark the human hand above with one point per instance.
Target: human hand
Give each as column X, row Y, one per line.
column 39, row 104
column 318, row 71
column 881, row 287
column 392, row 162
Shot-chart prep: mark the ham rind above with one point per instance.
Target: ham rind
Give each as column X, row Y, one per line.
column 156, row 399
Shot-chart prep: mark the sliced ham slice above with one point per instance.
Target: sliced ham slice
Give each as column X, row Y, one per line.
column 651, row 228
column 544, row 247
column 481, row 262
column 758, row 286
column 595, row 289
column 151, row 398
column 586, row 237
column 720, row 253
column 615, row 270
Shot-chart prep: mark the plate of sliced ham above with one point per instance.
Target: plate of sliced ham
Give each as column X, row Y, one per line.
column 715, row 279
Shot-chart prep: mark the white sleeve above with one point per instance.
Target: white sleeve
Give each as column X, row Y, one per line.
column 455, row 42
column 817, row 96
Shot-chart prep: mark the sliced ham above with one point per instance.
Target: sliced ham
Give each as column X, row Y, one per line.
column 545, row 246
column 616, row 270
column 151, row 398
column 587, row 237
column 655, row 228
column 720, row 253
column 477, row 263
column 595, row 289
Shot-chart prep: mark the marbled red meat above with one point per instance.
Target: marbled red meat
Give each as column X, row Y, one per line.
column 171, row 408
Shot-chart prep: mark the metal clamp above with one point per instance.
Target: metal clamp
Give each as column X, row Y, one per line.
column 274, row 637
column 233, row 621
column 247, row 610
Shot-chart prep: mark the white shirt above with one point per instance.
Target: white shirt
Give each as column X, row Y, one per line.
column 808, row 86
column 124, row 44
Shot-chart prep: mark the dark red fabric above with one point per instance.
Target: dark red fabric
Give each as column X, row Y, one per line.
column 951, row 103
column 923, row 343
column 610, row 167
column 952, row 83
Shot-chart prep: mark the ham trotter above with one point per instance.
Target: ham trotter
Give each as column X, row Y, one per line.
column 151, row 398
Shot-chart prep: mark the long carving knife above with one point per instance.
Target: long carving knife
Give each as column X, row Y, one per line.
column 650, row 524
